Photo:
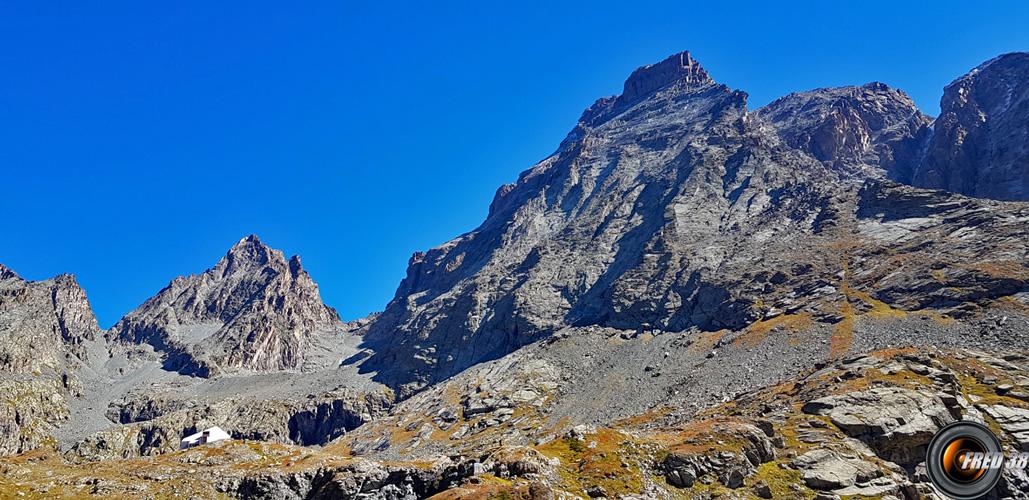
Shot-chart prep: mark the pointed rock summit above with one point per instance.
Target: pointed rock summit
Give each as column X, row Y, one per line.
column 7, row 273
column 252, row 311
column 678, row 68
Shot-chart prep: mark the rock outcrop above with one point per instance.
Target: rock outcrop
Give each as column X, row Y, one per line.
column 896, row 423
column 253, row 311
column 43, row 324
column 980, row 143
column 30, row 412
column 46, row 328
column 872, row 129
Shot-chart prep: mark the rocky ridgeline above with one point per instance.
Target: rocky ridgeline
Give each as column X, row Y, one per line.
column 253, row 310
column 45, row 329
column 867, row 131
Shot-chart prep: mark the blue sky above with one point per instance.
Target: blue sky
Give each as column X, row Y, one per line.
column 140, row 140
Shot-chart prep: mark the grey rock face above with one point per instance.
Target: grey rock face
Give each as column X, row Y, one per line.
column 44, row 329
column 730, row 468
column 980, row 145
column 615, row 228
column 42, row 323
column 679, row 209
column 253, row 310
column 30, row 411
column 1014, row 421
column 853, row 128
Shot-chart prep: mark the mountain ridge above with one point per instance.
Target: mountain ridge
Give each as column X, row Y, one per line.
column 681, row 171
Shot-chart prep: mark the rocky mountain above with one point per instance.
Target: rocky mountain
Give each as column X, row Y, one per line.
column 44, row 325
column 46, row 331
column 254, row 324
column 688, row 299
column 980, row 143
column 865, row 131
column 253, row 310
column 673, row 206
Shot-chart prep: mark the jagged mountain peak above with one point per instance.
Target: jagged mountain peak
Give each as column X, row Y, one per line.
column 678, row 73
column 253, row 310
column 7, row 273
column 247, row 253
column 669, row 209
column 676, row 68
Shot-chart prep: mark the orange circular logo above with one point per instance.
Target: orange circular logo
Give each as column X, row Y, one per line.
column 959, row 460
column 964, row 460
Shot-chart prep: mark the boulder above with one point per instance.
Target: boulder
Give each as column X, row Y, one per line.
column 897, row 423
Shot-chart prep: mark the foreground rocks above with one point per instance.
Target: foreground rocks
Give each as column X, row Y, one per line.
column 897, row 423
column 825, row 434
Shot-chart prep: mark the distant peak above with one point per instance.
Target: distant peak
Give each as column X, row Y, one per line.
column 679, row 67
column 1004, row 59
column 1012, row 63
column 6, row 273
column 246, row 252
column 248, row 240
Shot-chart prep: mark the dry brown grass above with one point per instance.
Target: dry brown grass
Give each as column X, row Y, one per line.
column 843, row 332
column 597, row 461
column 1001, row 269
column 756, row 333
column 706, row 341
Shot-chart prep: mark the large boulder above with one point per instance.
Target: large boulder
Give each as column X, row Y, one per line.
column 731, row 468
column 897, row 423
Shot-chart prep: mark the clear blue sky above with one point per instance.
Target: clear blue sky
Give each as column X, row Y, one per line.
column 139, row 140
